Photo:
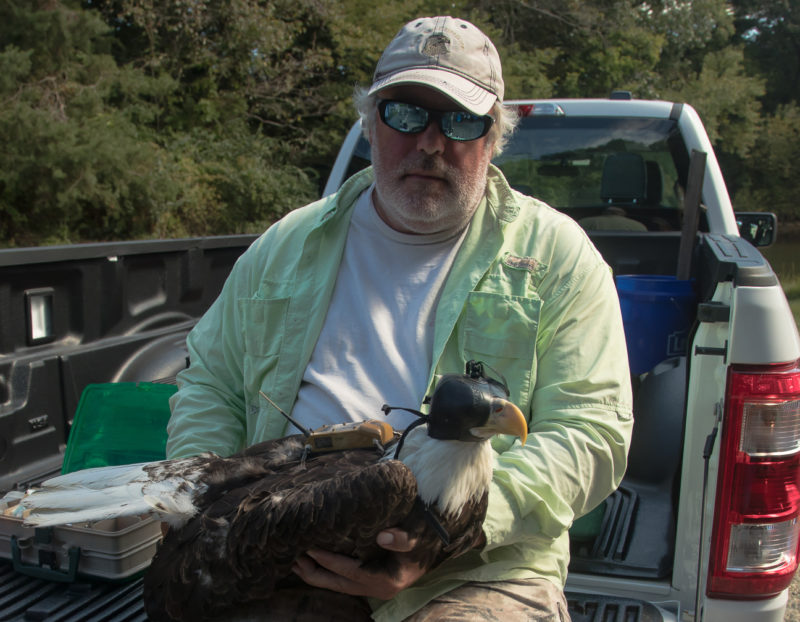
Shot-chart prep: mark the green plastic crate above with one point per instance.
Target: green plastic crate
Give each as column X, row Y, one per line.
column 119, row 423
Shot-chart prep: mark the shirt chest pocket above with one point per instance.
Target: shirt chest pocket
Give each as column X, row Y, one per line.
column 263, row 325
column 263, row 329
column 500, row 330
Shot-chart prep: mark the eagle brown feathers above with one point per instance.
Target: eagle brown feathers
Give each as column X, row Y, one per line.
column 243, row 544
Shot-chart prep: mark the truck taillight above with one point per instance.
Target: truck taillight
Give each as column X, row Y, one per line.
column 754, row 546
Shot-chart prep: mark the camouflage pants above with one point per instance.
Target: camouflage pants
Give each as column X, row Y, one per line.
column 527, row 600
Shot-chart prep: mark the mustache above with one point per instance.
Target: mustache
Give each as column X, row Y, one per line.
column 432, row 164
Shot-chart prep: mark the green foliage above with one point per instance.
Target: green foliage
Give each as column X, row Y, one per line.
column 726, row 99
column 151, row 118
column 574, row 48
column 770, row 30
column 771, row 181
column 95, row 150
column 235, row 184
column 64, row 150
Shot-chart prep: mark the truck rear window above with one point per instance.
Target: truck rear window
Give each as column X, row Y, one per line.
column 584, row 165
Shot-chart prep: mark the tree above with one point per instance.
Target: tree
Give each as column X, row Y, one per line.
column 574, row 48
column 95, row 149
column 771, row 177
column 726, row 98
column 65, row 151
column 770, row 31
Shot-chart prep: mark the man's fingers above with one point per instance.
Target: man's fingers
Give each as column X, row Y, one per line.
column 304, row 565
column 341, row 573
column 328, row 571
column 343, row 565
column 397, row 540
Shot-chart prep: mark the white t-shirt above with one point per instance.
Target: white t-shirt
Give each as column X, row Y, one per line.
column 377, row 340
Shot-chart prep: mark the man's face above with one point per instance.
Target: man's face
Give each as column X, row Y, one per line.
column 426, row 183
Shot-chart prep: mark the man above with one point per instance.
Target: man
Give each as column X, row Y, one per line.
column 415, row 266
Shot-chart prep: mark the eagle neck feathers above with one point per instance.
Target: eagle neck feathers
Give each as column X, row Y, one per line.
column 449, row 473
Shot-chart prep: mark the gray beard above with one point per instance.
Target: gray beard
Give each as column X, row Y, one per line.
column 434, row 213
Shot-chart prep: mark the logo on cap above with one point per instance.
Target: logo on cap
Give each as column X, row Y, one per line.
column 436, row 45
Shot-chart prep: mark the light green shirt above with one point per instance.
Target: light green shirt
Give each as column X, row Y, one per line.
column 528, row 294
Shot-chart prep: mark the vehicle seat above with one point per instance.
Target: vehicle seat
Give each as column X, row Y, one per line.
column 624, row 184
column 624, row 179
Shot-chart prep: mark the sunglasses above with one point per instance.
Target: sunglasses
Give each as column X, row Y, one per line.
column 410, row 119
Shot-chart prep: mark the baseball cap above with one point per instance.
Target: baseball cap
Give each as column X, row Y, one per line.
column 447, row 54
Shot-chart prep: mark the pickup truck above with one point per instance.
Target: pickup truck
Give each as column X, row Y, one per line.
column 705, row 524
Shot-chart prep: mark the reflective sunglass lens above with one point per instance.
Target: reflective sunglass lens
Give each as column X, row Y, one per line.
column 404, row 117
column 463, row 126
column 411, row 119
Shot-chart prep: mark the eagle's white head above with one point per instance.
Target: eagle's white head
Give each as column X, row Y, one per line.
column 451, row 457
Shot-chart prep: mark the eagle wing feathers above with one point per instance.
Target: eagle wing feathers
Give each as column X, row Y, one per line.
column 248, row 538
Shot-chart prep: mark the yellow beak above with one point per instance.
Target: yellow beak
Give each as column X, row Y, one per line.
column 505, row 418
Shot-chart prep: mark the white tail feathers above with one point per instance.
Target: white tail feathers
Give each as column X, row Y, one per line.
column 110, row 492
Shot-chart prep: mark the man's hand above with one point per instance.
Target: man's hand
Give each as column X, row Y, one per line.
column 341, row 573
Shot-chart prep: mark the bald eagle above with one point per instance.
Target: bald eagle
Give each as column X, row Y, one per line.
column 238, row 523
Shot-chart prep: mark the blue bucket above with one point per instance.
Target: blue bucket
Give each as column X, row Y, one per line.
column 657, row 312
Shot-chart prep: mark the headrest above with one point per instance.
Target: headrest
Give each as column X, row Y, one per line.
column 624, row 179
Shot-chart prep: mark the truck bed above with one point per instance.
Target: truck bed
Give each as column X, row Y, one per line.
column 24, row 598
